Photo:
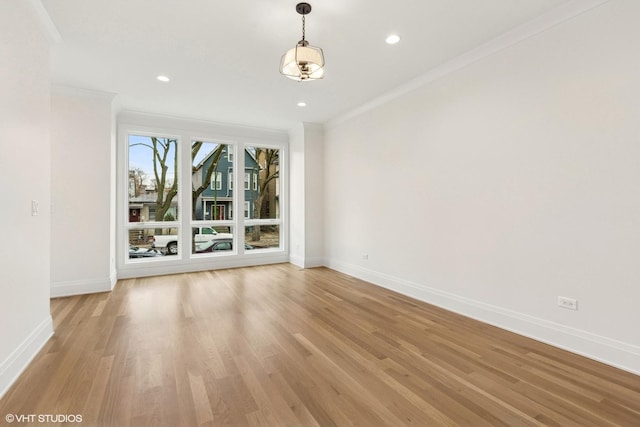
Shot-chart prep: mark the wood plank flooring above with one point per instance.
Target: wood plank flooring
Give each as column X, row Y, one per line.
column 280, row 346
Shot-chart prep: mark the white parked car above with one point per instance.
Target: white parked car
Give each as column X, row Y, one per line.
column 169, row 243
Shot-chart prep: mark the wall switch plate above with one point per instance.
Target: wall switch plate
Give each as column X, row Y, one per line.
column 35, row 208
column 570, row 303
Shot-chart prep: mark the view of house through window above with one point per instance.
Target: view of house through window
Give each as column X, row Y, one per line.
column 153, row 217
column 218, row 218
column 263, row 209
column 211, row 197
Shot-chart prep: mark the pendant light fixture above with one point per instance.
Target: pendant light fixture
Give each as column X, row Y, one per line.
column 304, row 62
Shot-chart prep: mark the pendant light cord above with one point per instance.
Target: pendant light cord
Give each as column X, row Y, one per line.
column 303, row 27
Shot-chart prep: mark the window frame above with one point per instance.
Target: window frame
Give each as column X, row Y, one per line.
column 280, row 189
column 130, row 226
column 184, row 131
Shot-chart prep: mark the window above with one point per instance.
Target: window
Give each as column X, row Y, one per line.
column 153, row 195
column 176, row 200
column 209, row 203
column 266, row 182
column 263, row 225
column 153, row 177
column 216, row 181
column 207, row 163
column 262, row 237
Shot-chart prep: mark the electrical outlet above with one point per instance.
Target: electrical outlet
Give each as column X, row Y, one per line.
column 570, row 303
column 365, row 256
column 35, row 208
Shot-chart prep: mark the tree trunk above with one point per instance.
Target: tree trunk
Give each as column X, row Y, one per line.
column 257, row 208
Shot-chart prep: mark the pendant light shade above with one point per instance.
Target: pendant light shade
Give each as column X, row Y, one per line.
column 303, row 62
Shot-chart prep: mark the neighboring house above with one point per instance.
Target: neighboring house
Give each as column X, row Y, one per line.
column 142, row 200
column 142, row 208
column 216, row 202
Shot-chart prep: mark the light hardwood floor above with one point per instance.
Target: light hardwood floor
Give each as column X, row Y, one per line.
column 280, row 346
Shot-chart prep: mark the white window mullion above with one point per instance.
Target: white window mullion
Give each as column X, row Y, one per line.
column 184, row 184
column 239, row 198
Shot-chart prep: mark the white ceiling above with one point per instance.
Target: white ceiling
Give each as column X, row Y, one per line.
column 223, row 56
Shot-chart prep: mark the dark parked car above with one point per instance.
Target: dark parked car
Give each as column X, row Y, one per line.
column 217, row 245
column 136, row 252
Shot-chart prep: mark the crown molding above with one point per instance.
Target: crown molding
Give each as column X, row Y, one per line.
column 82, row 92
column 178, row 123
column 525, row 31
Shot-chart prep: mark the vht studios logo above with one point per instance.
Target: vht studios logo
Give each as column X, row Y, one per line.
column 42, row 418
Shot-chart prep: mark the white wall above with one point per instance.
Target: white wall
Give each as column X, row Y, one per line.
column 503, row 185
column 83, row 141
column 314, row 192
column 297, row 194
column 306, row 142
column 115, row 109
column 25, row 323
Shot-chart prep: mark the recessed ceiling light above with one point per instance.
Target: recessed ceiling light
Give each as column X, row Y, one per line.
column 392, row 39
column 302, row 104
column 163, row 78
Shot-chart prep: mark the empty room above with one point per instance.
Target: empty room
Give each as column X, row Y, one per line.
column 333, row 213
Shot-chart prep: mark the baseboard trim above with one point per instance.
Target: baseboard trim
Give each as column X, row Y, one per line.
column 312, row 262
column 79, row 287
column 306, row 262
column 619, row 354
column 21, row 357
column 297, row 260
column 114, row 278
